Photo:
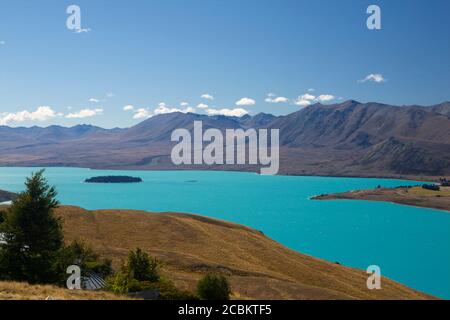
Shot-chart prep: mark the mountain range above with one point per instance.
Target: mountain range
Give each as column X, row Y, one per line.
column 346, row 139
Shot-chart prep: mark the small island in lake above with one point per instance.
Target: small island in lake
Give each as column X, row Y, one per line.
column 113, row 179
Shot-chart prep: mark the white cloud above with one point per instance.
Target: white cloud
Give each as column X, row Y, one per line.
column 94, row 100
column 325, row 97
column 281, row 100
column 272, row 98
column 82, row 30
column 246, row 102
column 237, row 112
column 184, row 104
column 374, row 77
column 42, row 113
column 2, row 43
column 85, row 113
column 163, row 109
column 302, row 102
column 110, row 94
column 202, row 106
column 142, row 113
column 308, row 97
column 128, row 108
column 311, row 90
column 207, row 96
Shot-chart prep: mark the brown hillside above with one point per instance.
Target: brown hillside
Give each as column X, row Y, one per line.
column 190, row 245
column 24, row 291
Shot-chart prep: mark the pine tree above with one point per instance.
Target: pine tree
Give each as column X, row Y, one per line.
column 32, row 234
column 142, row 267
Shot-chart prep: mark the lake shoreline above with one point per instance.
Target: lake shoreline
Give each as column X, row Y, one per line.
column 417, row 197
column 246, row 170
column 7, row 196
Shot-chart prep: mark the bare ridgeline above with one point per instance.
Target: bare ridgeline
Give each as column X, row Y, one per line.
column 347, row 139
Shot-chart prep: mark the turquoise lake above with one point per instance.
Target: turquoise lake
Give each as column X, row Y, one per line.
column 411, row 245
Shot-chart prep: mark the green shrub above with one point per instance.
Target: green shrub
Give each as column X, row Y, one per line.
column 121, row 282
column 214, row 287
column 139, row 268
column 80, row 254
column 142, row 266
column 140, row 273
column 167, row 290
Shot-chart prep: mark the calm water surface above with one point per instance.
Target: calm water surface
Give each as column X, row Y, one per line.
column 411, row 245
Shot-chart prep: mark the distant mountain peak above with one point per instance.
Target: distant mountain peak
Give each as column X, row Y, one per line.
column 319, row 139
column 350, row 102
column 261, row 114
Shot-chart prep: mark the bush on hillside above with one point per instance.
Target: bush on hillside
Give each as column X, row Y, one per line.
column 80, row 254
column 139, row 267
column 214, row 287
column 121, row 282
column 140, row 273
column 142, row 266
column 166, row 288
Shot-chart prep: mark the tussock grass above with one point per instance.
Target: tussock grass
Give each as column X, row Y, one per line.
column 24, row 291
column 189, row 246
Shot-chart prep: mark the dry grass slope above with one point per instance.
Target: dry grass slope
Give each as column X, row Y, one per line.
column 190, row 245
column 23, row 291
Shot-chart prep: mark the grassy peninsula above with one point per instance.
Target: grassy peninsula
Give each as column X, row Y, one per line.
column 415, row 196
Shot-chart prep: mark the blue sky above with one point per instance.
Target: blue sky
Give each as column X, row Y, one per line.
column 153, row 55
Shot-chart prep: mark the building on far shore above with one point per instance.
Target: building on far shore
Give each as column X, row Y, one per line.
column 432, row 187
